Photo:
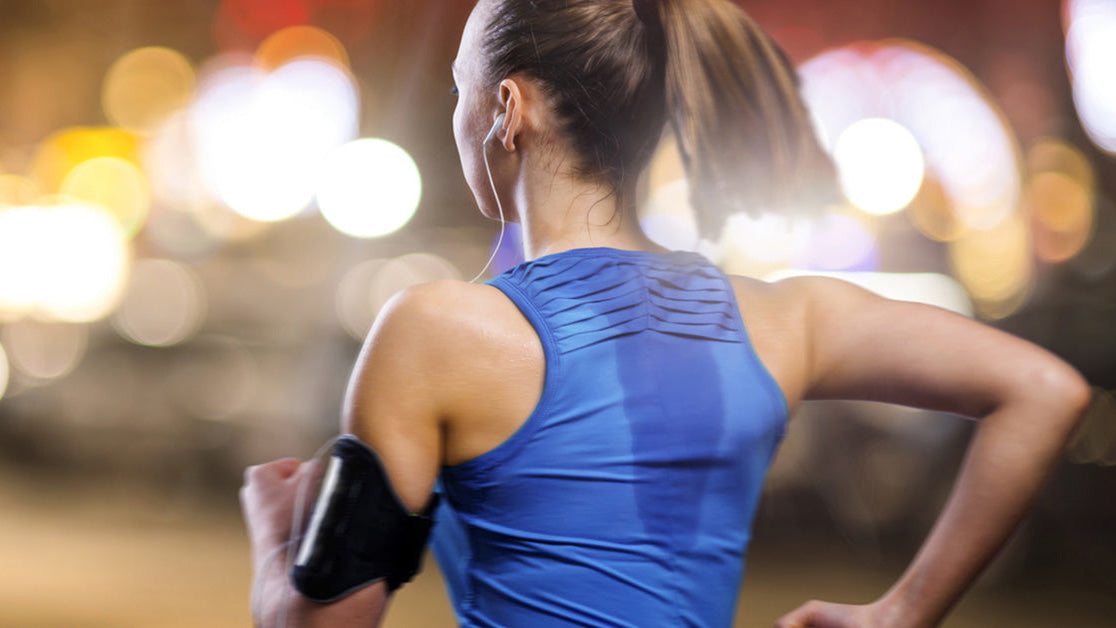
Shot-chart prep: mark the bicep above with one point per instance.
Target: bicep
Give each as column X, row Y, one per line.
column 870, row 348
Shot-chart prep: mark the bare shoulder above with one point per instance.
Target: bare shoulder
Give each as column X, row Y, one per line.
column 459, row 355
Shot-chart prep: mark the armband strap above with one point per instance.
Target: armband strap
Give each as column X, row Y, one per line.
column 360, row 532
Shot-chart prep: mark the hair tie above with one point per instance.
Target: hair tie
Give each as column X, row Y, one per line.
column 648, row 12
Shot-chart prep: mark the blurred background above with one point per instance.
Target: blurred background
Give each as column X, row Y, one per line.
column 204, row 204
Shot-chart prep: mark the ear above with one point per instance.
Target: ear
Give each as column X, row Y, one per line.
column 513, row 103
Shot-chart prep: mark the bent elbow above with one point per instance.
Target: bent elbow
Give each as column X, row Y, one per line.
column 1061, row 388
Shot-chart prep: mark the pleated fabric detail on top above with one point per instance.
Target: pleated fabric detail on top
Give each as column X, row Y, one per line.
column 659, row 294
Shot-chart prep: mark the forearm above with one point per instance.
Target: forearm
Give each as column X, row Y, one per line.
column 279, row 604
column 1011, row 454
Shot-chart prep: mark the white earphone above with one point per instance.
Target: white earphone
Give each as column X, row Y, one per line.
column 495, row 128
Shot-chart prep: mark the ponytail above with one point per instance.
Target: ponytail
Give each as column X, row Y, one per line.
column 733, row 101
column 618, row 70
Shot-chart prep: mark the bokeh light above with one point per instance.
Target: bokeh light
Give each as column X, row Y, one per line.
column 367, row 287
column 261, row 137
column 145, row 86
column 44, row 351
column 295, row 42
column 1091, row 56
column 354, row 304
column 65, row 262
column 880, row 165
column 17, row 190
column 260, row 18
column 5, row 371
column 1062, row 216
column 59, row 153
column 996, row 267
column 965, row 141
column 369, row 188
column 163, row 306
column 668, row 217
column 115, row 185
column 839, row 242
column 768, row 237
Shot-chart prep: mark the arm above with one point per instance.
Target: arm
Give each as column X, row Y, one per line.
column 394, row 406
column 860, row 346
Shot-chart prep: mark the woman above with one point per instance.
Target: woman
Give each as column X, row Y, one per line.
column 601, row 416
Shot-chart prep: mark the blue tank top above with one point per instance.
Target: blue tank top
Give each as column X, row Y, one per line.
column 627, row 497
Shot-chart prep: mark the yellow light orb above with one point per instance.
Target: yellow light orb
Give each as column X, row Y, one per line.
column 1062, row 212
column 114, row 184
column 881, row 165
column 369, row 188
column 1054, row 155
column 294, row 42
column 145, row 86
column 995, row 266
column 59, row 153
column 164, row 304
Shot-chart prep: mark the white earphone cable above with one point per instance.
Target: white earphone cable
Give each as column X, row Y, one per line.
column 499, row 206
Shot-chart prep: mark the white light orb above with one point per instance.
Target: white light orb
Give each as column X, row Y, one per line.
column 67, row 263
column 369, row 188
column 44, row 351
column 164, row 305
column 261, row 137
column 880, row 164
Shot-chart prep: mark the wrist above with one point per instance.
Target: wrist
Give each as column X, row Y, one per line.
column 902, row 607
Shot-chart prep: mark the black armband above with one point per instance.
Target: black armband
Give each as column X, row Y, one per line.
column 359, row 531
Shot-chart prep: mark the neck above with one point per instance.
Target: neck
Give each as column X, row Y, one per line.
column 558, row 213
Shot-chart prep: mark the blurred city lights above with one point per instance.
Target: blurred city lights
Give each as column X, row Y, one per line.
column 996, row 267
column 841, row 87
column 933, row 214
column 145, row 86
column 44, row 351
column 261, row 137
column 1062, row 215
column 295, row 42
column 164, row 304
column 17, row 190
column 262, row 17
column 355, row 309
column 4, row 372
column 880, row 165
column 59, row 153
column 369, row 188
column 367, row 287
column 965, row 141
column 66, row 262
column 115, row 185
column 838, row 242
column 1091, row 56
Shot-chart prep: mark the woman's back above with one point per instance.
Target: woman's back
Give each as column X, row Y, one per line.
column 626, row 497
